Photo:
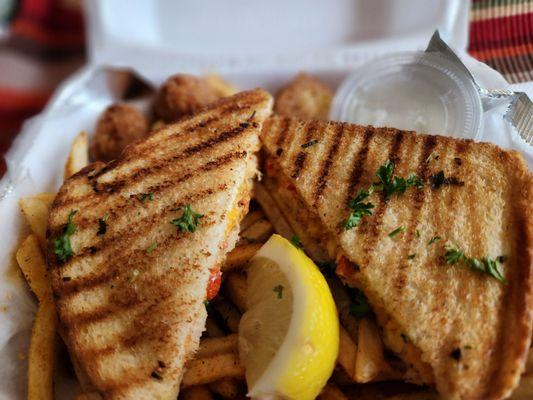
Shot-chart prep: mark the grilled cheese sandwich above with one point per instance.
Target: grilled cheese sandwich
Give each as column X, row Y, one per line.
column 450, row 321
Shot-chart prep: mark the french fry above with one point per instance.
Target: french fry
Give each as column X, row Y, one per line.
column 220, row 86
column 42, row 353
column 217, row 345
column 331, row 392
column 370, row 363
column 347, row 352
column 32, row 264
column 36, row 210
column 524, row 391
column 228, row 388
column 229, row 314
column 196, row 393
column 235, row 287
column 271, row 209
column 211, row 369
column 251, row 218
column 260, row 231
column 78, row 156
column 240, row 255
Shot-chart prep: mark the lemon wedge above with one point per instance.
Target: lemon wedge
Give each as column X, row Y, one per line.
column 289, row 335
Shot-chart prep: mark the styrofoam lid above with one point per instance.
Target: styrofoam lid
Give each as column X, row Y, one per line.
column 241, row 34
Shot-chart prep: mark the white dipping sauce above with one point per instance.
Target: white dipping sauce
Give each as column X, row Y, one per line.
column 410, row 92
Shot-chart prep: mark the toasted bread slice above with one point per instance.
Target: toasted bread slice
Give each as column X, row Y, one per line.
column 130, row 296
column 464, row 330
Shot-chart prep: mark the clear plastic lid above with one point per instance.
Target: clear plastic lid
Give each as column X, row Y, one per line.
column 412, row 91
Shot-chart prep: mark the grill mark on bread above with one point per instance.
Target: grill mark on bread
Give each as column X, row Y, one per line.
column 125, row 204
column 299, row 162
column 124, row 237
column 418, row 200
column 121, row 258
column 282, row 131
column 371, row 226
column 358, row 163
column 330, row 159
column 139, row 173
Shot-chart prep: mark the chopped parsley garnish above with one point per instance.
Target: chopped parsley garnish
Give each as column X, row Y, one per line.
column 411, row 256
column 396, row 231
column 295, row 240
column 453, row 256
column 434, row 239
column 145, row 196
column 279, row 290
column 309, row 144
column 390, row 185
column 102, row 225
column 62, row 247
column 152, row 247
column 417, row 233
column 327, row 268
column 484, row 265
column 189, row 220
column 359, row 209
column 359, row 307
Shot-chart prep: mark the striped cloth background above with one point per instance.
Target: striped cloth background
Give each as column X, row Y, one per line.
column 42, row 42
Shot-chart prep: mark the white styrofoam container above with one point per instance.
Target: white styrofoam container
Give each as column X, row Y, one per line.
column 250, row 43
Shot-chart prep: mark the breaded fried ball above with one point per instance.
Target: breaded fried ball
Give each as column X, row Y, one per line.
column 118, row 126
column 304, row 97
column 182, row 95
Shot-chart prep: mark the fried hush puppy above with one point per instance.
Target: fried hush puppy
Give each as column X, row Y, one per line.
column 304, row 97
column 181, row 95
column 118, row 126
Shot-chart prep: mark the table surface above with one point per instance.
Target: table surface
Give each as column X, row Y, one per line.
column 46, row 43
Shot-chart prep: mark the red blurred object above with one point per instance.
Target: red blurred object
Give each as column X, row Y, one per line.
column 44, row 44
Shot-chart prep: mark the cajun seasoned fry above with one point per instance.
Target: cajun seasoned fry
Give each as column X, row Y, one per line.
column 271, row 209
column 78, row 156
column 228, row 388
column 251, row 218
column 217, row 345
column 32, row 264
column 524, row 391
column 260, row 231
column 229, row 313
column 42, row 353
column 240, row 255
column 235, row 285
column 331, row 392
column 196, row 393
column 370, row 363
column 211, row 369
column 347, row 352
column 36, row 209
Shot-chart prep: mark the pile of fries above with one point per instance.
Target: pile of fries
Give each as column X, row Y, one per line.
column 364, row 369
